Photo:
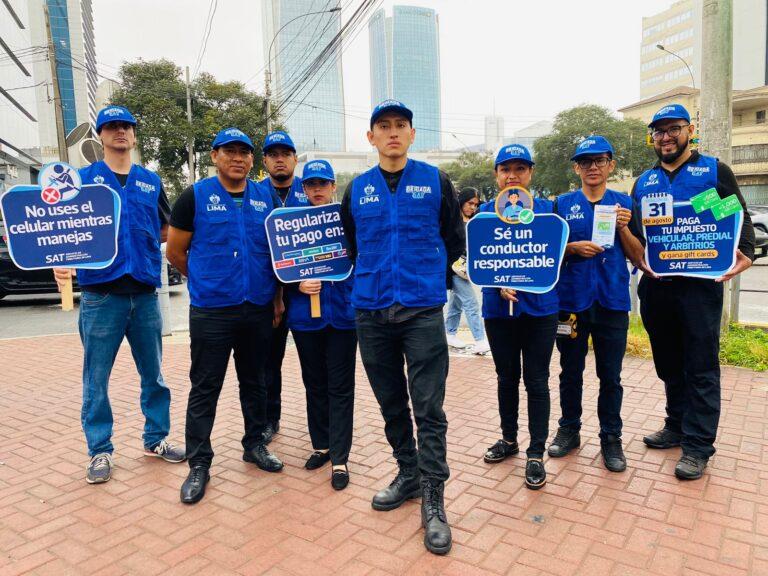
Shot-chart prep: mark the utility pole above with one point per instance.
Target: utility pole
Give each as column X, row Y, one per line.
column 191, row 140
column 267, row 96
column 717, row 104
column 60, row 134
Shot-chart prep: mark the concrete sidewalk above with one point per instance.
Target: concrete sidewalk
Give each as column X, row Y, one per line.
column 585, row 521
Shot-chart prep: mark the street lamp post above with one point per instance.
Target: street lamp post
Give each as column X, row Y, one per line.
column 268, row 70
column 693, row 80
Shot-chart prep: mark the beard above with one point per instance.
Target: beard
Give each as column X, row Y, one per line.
column 281, row 177
column 672, row 156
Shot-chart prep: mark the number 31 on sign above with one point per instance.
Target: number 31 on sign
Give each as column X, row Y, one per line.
column 656, row 209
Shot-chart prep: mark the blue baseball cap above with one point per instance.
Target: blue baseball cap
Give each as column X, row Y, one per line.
column 113, row 114
column 391, row 106
column 514, row 152
column 592, row 146
column 230, row 135
column 671, row 112
column 320, row 169
column 278, row 138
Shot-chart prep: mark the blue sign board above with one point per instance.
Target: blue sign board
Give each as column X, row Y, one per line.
column 308, row 243
column 63, row 225
column 520, row 256
column 690, row 243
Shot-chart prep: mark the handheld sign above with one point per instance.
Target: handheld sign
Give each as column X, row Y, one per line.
column 308, row 243
column 523, row 252
column 697, row 238
column 61, row 223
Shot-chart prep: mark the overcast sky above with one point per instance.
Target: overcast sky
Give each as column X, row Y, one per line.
column 525, row 59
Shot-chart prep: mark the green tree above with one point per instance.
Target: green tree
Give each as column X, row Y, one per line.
column 156, row 94
column 554, row 170
column 473, row 169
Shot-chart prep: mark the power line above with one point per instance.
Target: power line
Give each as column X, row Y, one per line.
column 206, row 35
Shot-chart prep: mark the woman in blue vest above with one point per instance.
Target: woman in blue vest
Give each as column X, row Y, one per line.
column 218, row 240
column 327, row 347
column 519, row 326
column 594, row 286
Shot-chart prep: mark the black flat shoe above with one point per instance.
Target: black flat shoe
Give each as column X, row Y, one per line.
column 501, row 451
column 340, row 478
column 535, row 474
column 317, row 459
column 193, row 488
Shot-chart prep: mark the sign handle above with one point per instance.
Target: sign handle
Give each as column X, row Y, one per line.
column 67, row 299
column 511, row 308
column 314, row 302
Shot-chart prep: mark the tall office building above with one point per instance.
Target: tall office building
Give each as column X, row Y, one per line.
column 494, row 132
column 679, row 30
column 73, row 40
column 313, row 109
column 405, row 65
column 18, row 107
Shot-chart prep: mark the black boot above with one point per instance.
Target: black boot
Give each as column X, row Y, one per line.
column 262, row 457
column 664, row 438
column 193, row 488
column 690, row 467
column 613, row 454
column 564, row 441
column 437, row 533
column 406, row 485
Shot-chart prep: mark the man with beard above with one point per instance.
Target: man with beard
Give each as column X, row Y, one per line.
column 682, row 314
column 280, row 161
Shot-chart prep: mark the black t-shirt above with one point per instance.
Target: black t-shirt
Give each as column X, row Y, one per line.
column 127, row 284
column 282, row 192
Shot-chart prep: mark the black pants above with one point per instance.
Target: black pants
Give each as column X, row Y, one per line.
column 533, row 338
column 273, row 373
column 327, row 360
column 214, row 334
column 420, row 342
column 608, row 329
column 682, row 317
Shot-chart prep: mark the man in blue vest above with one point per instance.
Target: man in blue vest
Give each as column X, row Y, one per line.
column 280, row 161
column 403, row 225
column 120, row 301
column 594, row 286
column 682, row 314
column 218, row 240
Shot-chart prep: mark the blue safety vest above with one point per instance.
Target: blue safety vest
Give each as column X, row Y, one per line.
column 138, row 238
column 335, row 307
column 229, row 261
column 604, row 278
column 494, row 306
column 296, row 197
column 693, row 178
column 401, row 256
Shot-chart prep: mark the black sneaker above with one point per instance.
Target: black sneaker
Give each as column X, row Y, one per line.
column 317, row 459
column 535, row 474
column 613, row 454
column 664, row 438
column 690, row 467
column 406, row 485
column 99, row 469
column 437, row 533
column 500, row 451
column 564, row 441
column 260, row 456
column 270, row 430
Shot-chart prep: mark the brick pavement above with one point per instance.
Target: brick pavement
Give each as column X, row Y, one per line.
column 586, row 521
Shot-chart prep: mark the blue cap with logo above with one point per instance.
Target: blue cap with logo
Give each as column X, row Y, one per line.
column 514, row 152
column 278, row 138
column 592, row 146
column 113, row 114
column 671, row 112
column 320, row 169
column 230, row 135
column 391, row 106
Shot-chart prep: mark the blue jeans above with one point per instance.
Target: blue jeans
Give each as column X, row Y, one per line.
column 104, row 320
column 463, row 298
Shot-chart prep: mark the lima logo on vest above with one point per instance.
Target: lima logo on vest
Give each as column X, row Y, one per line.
column 215, row 205
column 369, row 197
column 576, row 213
column 99, row 179
column 653, row 179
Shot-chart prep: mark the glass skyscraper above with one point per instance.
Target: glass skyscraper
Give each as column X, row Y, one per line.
column 312, row 109
column 405, row 65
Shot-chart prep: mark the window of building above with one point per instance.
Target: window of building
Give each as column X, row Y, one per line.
column 760, row 117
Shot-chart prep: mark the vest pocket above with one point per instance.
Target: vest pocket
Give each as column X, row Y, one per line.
column 418, row 218
column 147, row 258
column 366, row 287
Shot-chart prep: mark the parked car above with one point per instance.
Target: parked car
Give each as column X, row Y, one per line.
column 14, row 280
column 761, row 243
column 759, row 215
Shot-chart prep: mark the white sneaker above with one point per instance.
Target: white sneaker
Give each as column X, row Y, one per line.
column 481, row 347
column 455, row 342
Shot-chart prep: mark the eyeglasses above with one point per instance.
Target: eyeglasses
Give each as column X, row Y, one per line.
column 673, row 131
column 586, row 163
